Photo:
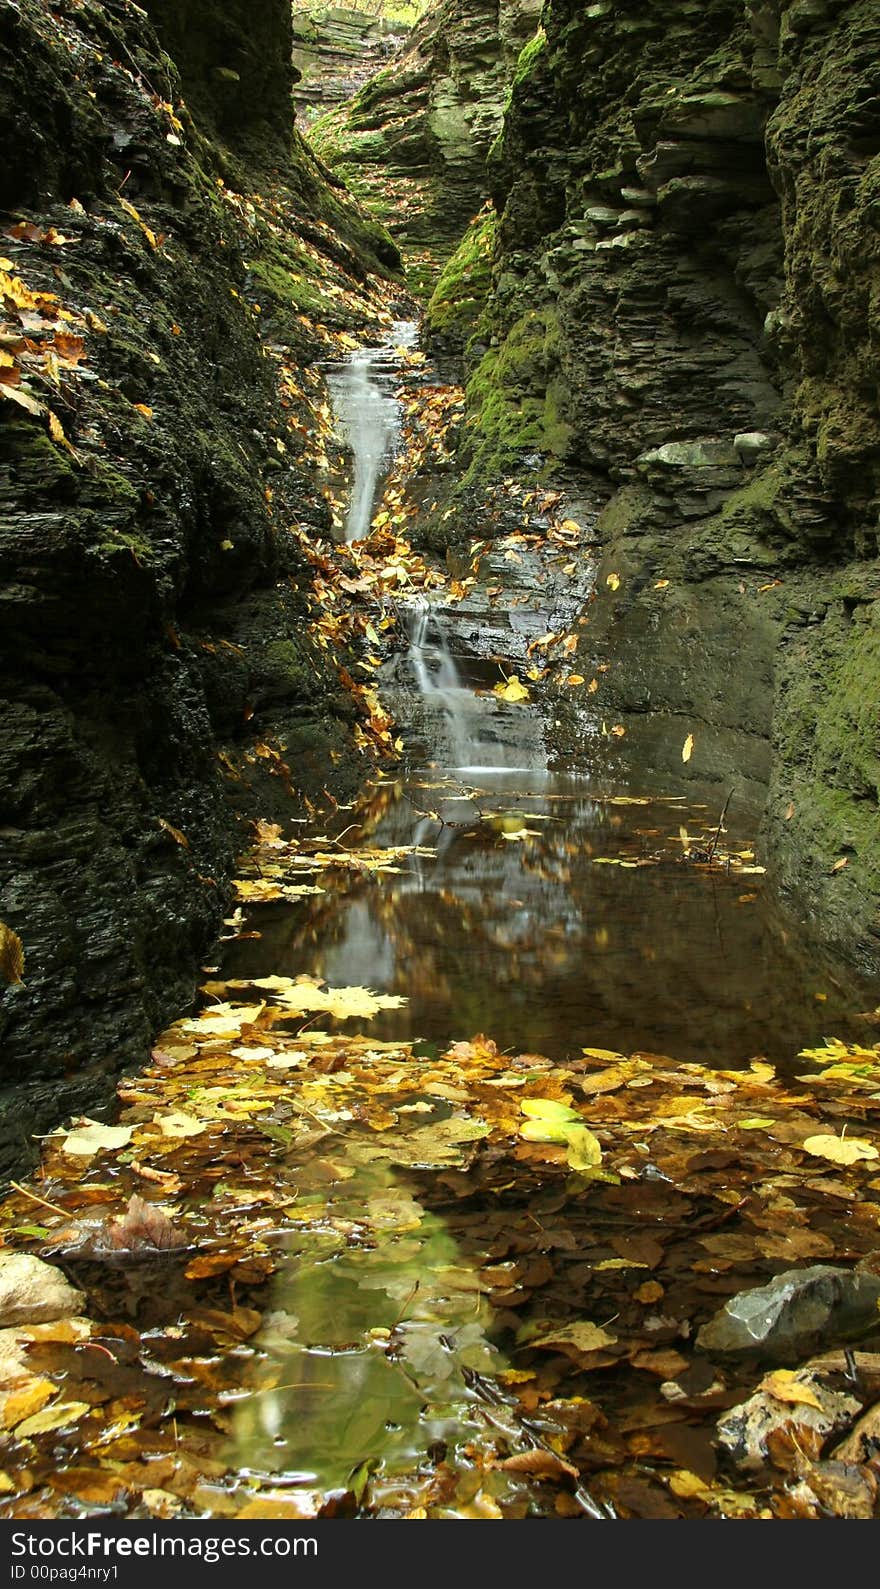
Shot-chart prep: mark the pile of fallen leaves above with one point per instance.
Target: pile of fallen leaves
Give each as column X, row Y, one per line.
column 532, row 1249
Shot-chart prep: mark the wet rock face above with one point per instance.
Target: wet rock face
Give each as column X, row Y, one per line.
column 150, row 613
column 683, row 279
column 236, row 75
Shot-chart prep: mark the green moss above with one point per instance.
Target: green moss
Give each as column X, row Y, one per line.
column 460, row 295
column 527, row 57
column 515, row 399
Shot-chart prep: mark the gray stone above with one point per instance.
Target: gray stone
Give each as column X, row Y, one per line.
column 602, row 215
column 750, row 444
column 794, row 1313
column 691, row 455
column 33, row 1292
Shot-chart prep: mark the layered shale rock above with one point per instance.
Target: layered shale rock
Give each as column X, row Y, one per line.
column 684, row 313
column 159, row 264
column 413, row 143
column 335, row 51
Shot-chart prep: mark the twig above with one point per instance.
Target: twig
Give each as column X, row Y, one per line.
column 41, row 1200
column 714, row 845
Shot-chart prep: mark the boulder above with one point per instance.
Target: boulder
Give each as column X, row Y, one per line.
column 32, row 1292
column 795, row 1313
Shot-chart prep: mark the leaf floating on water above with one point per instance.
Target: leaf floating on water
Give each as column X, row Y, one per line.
column 541, row 1464
column 26, row 1400
column 840, row 1150
column 89, row 1137
column 583, row 1149
column 11, row 956
column 687, row 748
column 178, row 1124
column 581, row 1334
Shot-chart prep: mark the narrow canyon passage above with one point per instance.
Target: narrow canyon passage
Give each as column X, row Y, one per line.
column 439, row 858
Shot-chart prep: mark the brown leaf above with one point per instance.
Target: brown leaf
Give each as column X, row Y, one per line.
column 11, row 955
column 540, row 1464
column 144, row 1225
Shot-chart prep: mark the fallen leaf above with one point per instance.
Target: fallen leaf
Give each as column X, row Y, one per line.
column 27, row 1401
column 89, row 1137
column 11, row 955
column 687, row 748
column 840, row 1150
column 540, row 1464
column 57, row 1416
column 513, row 690
column 581, row 1334
column 783, row 1385
column 613, row 581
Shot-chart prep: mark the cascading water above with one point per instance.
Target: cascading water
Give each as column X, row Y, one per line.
column 368, row 415
column 439, row 683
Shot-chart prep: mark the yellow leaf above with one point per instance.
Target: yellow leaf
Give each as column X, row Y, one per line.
column 581, row 1334
column 839, row 865
column 783, row 1386
column 840, row 1150
column 689, row 1486
column 661, row 584
column 687, row 748
column 89, row 1137
column 11, row 955
column 583, row 1149
column 26, row 1401
column 55, row 1417
column 144, row 408
column 613, row 581
column 514, row 690
column 575, row 678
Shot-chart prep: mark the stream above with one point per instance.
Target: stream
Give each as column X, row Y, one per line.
column 411, row 1280
column 547, row 906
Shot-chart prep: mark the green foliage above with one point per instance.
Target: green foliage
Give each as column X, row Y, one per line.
column 406, row 12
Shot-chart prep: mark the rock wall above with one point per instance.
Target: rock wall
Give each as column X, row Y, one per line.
column 685, row 317
column 155, row 649
column 413, row 142
column 335, row 51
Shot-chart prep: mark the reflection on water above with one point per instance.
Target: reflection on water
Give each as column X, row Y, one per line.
column 375, row 1328
column 518, row 928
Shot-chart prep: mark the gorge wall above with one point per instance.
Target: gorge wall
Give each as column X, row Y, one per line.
column 684, row 320
column 413, row 142
column 170, row 249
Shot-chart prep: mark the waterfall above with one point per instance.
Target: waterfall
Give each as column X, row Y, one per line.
column 439, row 682
column 462, row 723
column 368, row 417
